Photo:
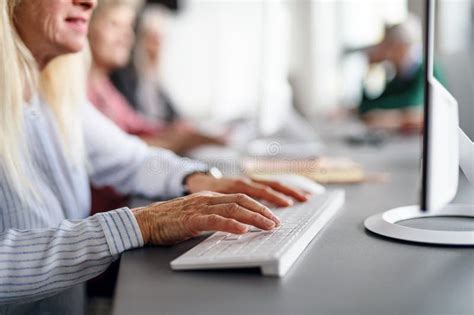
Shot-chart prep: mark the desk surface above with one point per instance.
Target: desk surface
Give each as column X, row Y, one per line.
column 345, row 270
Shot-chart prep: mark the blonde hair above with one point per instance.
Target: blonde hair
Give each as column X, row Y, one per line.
column 61, row 84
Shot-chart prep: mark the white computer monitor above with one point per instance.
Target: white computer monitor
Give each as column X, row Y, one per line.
column 445, row 148
column 443, row 139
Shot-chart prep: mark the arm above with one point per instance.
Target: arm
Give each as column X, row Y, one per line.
column 410, row 97
column 38, row 263
column 180, row 140
column 128, row 164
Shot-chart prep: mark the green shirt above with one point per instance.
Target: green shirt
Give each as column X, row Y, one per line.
column 400, row 93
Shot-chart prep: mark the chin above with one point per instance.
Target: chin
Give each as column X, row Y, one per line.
column 121, row 62
column 73, row 46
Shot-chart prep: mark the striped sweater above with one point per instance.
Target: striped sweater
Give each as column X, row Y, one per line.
column 50, row 244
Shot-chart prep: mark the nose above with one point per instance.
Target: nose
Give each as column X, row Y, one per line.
column 86, row 4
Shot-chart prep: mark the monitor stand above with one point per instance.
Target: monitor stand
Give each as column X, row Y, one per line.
column 385, row 224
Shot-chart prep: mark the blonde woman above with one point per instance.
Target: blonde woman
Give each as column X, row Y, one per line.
column 53, row 143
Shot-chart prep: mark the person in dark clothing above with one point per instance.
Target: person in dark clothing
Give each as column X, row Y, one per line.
column 399, row 105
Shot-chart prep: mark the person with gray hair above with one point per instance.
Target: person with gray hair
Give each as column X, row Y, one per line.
column 398, row 106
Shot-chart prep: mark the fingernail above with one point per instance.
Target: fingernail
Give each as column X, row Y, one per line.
column 276, row 220
column 245, row 228
column 270, row 224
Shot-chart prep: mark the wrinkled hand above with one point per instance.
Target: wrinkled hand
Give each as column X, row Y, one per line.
column 271, row 191
column 169, row 222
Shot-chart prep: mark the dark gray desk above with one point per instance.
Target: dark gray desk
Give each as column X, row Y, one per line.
column 345, row 270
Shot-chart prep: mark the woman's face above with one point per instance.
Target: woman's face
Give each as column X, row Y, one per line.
column 50, row 28
column 152, row 44
column 112, row 36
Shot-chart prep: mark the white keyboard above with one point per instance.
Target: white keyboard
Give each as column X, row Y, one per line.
column 272, row 251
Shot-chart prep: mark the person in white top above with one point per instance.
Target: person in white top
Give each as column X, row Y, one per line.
column 53, row 143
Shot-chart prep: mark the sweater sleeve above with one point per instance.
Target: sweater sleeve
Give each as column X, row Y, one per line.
column 37, row 263
column 129, row 165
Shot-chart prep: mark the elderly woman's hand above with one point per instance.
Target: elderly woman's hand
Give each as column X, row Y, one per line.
column 271, row 191
column 169, row 222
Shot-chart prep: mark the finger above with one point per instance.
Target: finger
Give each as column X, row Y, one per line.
column 242, row 215
column 214, row 222
column 247, row 203
column 287, row 190
column 265, row 192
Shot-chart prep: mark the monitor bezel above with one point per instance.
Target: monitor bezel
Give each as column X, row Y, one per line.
column 428, row 73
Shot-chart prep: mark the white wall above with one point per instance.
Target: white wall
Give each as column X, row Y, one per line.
column 233, row 58
column 227, row 58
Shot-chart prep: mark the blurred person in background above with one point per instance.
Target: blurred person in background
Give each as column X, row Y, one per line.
column 111, row 38
column 151, row 99
column 140, row 80
column 398, row 106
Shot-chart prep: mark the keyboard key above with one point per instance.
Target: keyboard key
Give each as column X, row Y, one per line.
column 232, row 237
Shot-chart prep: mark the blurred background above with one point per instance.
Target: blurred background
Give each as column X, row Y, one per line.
column 263, row 87
column 258, row 58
